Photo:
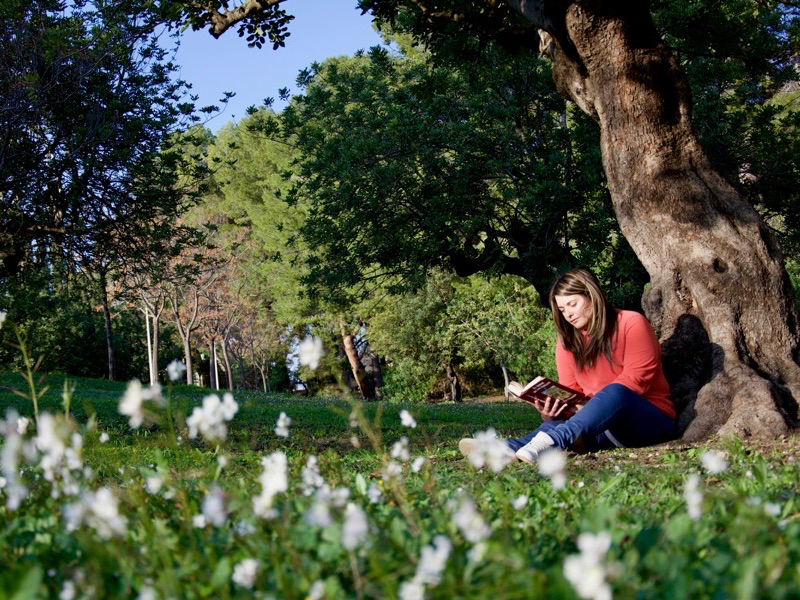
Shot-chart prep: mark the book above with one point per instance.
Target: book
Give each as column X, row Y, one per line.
column 543, row 388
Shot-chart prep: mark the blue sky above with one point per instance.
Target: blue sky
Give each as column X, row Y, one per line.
column 321, row 28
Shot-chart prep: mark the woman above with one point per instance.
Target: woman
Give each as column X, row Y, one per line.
column 612, row 356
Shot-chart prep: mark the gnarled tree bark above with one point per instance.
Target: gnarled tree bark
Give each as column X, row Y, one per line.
column 719, row 297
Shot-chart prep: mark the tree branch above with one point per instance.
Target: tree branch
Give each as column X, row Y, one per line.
column 220, row 22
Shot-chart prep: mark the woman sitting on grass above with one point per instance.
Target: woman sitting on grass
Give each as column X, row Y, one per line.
column 613, row 357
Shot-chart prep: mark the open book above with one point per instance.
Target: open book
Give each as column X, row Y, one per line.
column 543, row 388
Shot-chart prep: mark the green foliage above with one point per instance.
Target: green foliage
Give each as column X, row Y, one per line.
column 475, row 325
column 407, row 163
column 740, row 59
column 745, row 543
column 89, row 169
column 63, row 322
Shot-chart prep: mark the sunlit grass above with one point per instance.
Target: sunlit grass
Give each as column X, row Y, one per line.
column 746, row 543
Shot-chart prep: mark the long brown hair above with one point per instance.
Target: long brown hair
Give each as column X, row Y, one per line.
column 602, row 323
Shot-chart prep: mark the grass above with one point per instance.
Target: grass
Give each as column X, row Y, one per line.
column 746, row 544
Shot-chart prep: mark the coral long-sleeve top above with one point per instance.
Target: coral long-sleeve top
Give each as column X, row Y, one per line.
column 636, row 364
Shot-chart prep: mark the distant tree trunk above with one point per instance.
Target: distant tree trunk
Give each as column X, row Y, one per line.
column 149, row 344
column 263, row 379
column 378, row 376
column 240, row 360
column 213, row 383
column 185, row 331
column 455, row 384
column 719, row 294
column 156, row 316
column 107, row 320
column 227, row 361
column 506, row 380
column 365, row 386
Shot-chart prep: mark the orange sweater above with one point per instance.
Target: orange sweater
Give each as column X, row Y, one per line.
column 637, row 364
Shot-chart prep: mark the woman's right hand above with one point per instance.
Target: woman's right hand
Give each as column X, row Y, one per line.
column 552, row 408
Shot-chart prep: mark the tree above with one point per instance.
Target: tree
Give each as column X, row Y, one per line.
column 719, row 294
column 88, row 163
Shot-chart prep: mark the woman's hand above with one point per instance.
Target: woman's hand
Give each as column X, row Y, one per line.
column 552, row 408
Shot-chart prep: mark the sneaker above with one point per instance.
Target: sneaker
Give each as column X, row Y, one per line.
column 530, row 452
column 467, row 446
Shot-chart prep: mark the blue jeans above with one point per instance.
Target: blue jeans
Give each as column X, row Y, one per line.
column 614, row 416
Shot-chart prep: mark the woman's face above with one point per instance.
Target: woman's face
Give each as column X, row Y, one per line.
column 576, row 309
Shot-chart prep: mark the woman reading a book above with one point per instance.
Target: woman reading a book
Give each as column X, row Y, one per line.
column 614, row 358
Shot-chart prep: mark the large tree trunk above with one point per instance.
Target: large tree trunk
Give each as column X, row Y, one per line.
column 365, row 386
column 109, row 331
column 719, row 295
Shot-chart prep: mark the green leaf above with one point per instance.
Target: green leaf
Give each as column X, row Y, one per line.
column 361, row 484
column 222, row 573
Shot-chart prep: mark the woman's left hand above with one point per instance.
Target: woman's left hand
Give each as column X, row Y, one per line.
column 551, row 408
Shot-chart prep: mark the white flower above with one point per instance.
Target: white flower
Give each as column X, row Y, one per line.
column 199, row 521
column 477, row 553
column 2, row 317
column 412, row 590
column 407, row 420
column 229, row 406
column 310, row 352
column 13, row 446
column 154, row 484
column 339, row 496
column 132, row 402
column 3, row 482
column 374, row 494
column 551, row 464
column 175, row 370
column 491, row 451
column 316, row 590
column 68, row 592
column 469, row 521
column 586, row 571
column 319, row 514
column 244, row 573
column 245, row 528
column 214, row 507
column 354, row 528
column 714, row 462
column 104, row 437
column 282, row 426
column 432, row 561
column 519, row 502
column 693, row 496
column 393, row 470
column 99, row 510
column 273, row 481
column 416, row 466
column 22, row 425
column 147, row 593
column 209, row 419
column 310, row 478
column 772, row 509
column 400, row 449
column 222, row 461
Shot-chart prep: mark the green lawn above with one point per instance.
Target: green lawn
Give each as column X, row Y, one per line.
column 745, row 544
